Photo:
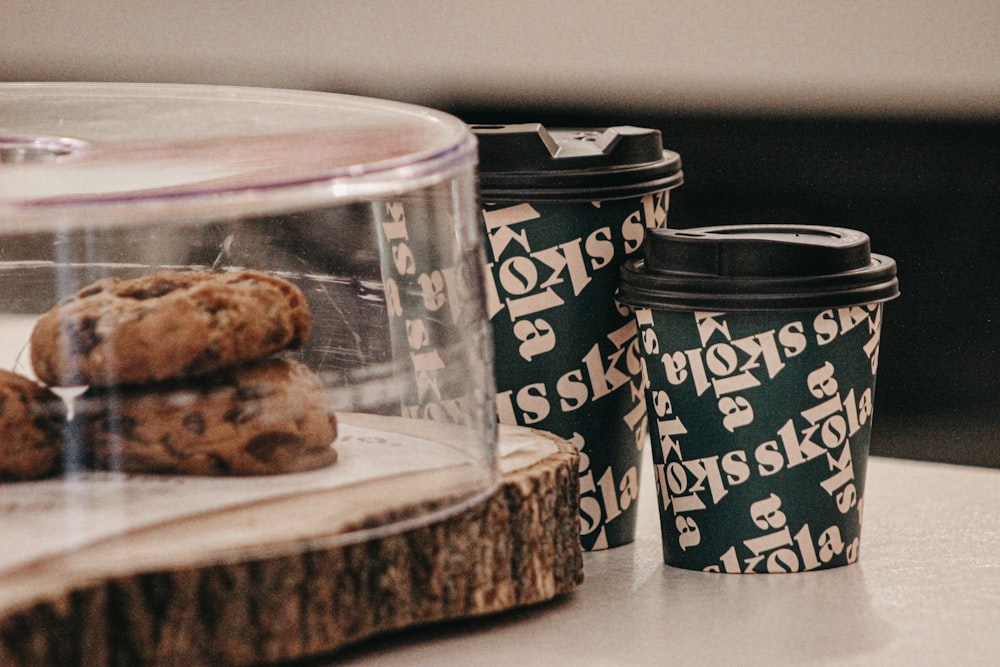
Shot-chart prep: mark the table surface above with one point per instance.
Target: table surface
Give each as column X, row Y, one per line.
column 925, row 591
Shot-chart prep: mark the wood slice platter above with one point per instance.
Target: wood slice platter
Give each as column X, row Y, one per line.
column 114, row 569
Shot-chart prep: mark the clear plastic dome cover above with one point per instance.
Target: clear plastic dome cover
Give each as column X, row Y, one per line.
column 120, row 202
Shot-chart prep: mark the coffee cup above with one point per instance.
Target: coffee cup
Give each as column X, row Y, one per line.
column 562, row 210
column 760, row 347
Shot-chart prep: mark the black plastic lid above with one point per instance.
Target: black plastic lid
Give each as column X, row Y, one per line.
column 527, row 161
column 757, row 267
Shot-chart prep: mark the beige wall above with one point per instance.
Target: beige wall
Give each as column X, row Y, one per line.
column 913, row 57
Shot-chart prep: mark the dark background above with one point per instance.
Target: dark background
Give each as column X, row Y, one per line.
column 927, row 192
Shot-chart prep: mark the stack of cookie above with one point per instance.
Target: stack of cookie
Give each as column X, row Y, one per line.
column 182, row 375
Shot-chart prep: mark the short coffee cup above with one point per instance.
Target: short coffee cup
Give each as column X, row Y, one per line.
column 760, row 348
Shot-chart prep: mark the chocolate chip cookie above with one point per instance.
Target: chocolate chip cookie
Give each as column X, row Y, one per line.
column 167, row 325
column 32, row 421
column 263, row 418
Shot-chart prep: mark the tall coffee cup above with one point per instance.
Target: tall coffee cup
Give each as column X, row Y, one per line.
column 760, row 348
column 562, row 210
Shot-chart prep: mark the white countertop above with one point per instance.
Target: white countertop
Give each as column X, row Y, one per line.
column 926, row 591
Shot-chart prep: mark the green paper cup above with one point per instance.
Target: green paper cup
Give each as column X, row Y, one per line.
column 760, row 348
column 562, row 211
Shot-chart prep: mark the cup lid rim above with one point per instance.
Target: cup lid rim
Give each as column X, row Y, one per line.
column 757, row 267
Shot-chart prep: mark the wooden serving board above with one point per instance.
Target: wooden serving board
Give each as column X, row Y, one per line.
column 113, row 569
